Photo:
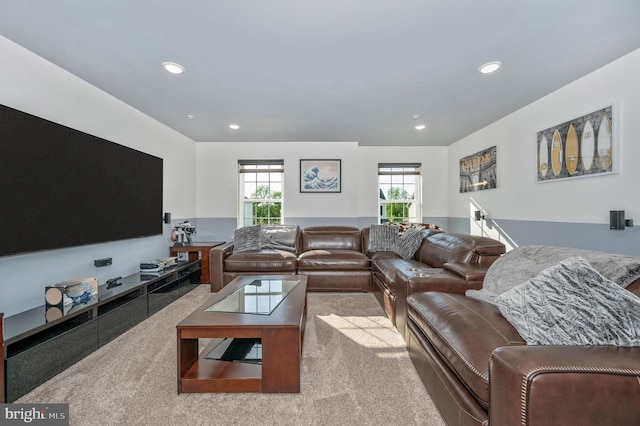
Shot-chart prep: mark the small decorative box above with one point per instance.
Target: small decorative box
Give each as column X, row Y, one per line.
column 66, row 295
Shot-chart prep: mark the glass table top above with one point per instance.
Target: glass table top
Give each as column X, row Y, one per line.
column 256, row 297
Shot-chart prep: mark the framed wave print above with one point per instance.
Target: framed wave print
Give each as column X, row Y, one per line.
column 320, row 176
column 582, row 147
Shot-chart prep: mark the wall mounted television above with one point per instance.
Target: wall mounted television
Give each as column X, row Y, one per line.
column 60, row 187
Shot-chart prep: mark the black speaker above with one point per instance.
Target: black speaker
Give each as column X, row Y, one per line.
column 477, row 215
column 616, row 219
column 167, row 218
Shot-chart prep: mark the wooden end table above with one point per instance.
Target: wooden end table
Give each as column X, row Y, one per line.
column 198, row 250
column 281, row 334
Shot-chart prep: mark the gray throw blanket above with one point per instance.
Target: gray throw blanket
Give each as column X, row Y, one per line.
column 570, row 303
column 524, row 263
column 279, row 237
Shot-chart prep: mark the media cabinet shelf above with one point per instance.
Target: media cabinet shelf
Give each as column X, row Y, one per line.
column 37, row 350
column 2, row 356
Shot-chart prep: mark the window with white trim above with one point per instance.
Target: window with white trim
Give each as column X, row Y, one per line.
column 261, row 192
column 399, row 192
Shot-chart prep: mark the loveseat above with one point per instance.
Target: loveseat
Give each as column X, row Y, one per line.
column 330, row 256
column 479, row 369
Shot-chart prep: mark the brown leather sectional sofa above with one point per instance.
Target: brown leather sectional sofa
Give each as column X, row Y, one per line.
column 476, row 367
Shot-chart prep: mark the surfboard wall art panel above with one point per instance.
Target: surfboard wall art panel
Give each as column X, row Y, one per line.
column 581, row 147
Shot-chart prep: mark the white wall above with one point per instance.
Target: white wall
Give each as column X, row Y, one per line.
column 217, row 165
column 33, row 85
column 586, row 200
column 434, row 168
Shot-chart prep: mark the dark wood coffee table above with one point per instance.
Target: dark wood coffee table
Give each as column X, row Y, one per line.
column 281, row 334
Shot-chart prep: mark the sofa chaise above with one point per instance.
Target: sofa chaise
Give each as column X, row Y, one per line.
column 450, row 262
column 479, row 369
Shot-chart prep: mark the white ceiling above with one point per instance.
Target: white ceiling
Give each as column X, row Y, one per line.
column 326, row 70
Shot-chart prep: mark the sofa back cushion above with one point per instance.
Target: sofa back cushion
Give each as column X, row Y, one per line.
column 440, row 248
column 331, row 237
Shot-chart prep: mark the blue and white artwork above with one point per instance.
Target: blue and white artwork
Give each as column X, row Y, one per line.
column 320, row 176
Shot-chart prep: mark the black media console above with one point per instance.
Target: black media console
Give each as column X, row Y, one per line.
column 37, row 350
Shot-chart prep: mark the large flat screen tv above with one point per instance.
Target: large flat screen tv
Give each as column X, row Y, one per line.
column 60, row 187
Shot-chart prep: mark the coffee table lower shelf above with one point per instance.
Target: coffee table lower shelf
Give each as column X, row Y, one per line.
column 210, row 375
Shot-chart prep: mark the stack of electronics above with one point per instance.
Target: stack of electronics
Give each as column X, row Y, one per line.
column 158, row 265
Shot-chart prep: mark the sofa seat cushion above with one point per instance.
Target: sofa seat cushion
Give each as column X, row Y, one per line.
column 266, row 260
column 465, row 332
column 383, row 255
column 433, row 279
column 333, row 260
column 385, row 269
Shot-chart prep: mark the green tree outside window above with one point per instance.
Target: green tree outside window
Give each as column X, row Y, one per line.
column 398, row 212
column 266, row 212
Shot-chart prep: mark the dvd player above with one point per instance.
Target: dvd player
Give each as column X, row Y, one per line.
column 157, row 265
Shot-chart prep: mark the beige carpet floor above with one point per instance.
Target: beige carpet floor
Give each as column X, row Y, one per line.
column 355, row 371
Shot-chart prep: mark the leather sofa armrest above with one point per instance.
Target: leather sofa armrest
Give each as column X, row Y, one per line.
column 581, row 385
column 217, row 255
column 467, row 271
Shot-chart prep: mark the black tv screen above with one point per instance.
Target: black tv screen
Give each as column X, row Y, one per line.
column 61, row 187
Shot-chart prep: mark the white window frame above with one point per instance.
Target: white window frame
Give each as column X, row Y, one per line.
column 253, row 168
column 394, row 175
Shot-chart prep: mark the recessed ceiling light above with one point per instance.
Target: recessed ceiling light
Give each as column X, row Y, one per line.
column 490, row 67
column 420, row 127
column 173, row 68
column 234, row 126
